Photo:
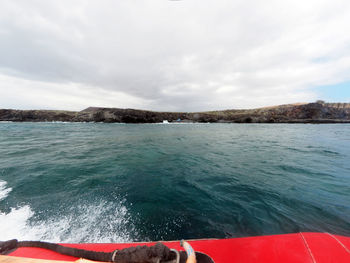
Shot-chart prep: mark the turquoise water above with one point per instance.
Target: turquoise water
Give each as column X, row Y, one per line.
column 86, row 182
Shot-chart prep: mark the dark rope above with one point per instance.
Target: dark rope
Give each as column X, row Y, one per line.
column 74, row 252
column 138, row 254
column 7, row 246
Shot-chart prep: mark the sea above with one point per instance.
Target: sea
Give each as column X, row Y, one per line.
column 99, row 182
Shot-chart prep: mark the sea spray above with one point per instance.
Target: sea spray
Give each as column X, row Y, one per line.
column 100, row 221
column 4, row 191
column 87, row 223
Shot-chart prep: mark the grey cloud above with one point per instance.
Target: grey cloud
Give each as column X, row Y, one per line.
column 177, row 55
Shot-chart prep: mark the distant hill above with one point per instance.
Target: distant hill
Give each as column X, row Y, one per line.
column 318, row 112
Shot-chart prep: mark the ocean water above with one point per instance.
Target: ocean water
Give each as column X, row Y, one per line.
column 95, row 182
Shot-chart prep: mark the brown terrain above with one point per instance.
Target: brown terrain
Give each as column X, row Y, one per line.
column 318, row 112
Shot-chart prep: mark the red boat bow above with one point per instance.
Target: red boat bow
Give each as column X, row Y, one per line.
column 300, row 247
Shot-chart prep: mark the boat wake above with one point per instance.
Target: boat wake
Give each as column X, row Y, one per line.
column 4, row 191
column 101, row 222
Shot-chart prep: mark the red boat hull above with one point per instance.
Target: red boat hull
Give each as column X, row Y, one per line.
column 301, row 247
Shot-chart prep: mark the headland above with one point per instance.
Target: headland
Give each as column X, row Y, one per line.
column 317, row 112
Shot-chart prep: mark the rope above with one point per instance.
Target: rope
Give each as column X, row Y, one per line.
column 127, row 255
column 74, row 252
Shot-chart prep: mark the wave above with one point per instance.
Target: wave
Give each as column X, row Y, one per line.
column 4, row 191
column 100, row 222
column 86, row 224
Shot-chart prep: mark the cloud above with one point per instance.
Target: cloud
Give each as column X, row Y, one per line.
column 170, row 55
column 58, row 96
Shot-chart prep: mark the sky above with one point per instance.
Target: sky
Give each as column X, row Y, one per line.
column 187, row 55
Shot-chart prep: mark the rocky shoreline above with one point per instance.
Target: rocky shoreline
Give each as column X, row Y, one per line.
column 319, row 112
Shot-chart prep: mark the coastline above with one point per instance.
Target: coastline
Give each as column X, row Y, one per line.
column 316, row 113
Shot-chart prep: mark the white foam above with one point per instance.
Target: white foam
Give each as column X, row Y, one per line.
column 13, row 224
column 3, row 190
column 104, row 222
column 100, row 221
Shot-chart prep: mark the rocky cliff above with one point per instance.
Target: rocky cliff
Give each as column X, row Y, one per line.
column 319, row 112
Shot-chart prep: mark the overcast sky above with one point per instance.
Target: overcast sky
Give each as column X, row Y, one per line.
column 189, row 55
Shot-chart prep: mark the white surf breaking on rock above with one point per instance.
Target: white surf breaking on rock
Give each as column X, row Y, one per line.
column 103, row 222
